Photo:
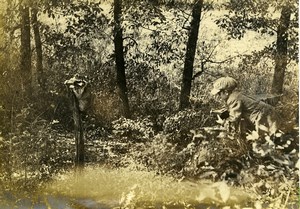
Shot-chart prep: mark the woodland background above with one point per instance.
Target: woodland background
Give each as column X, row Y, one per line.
column 150, row 65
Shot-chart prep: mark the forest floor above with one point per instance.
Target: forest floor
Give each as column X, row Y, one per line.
column 208, row 169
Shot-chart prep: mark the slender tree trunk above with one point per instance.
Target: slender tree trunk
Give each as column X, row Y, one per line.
column 281, row 50
column 38, row 47
column 190, row 56
column 119, row 55
column 25, row 59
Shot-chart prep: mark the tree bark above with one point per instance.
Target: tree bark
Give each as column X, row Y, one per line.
column 119, row 56
column 281, row 56
column 25, row 59
column 190, row 56
column 38, row 47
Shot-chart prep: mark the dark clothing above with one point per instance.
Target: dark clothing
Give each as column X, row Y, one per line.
column 261, row 115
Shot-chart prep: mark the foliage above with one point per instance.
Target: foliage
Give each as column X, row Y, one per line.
column 257, row 165
column 256, row 16
column 158, row 24
column 35, row 154
column 72, row 46
column 136, row 130
column 36, row 141
column 151, row 93
column 156, row 40
column 186, row 120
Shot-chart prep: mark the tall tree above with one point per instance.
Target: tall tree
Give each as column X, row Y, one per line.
column 38, row 45
column 259, row 16
column 281, row 56
column 119, row 56
column 25, row 51
column 190, row 55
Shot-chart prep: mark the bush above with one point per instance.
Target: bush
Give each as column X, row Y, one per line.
column 183, row 122
column 35, row 153
column 133, row 130
column 160, row 155
column 180, row 124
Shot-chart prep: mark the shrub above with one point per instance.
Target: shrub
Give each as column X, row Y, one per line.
column 35, row 153
column 133, row 130
column 184, row 121
column 179, row 125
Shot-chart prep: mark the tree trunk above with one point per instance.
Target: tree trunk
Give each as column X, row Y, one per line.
column 190, row 56
column 281, row 51
column 119, row 55
column 25, row 59
column 38, row 47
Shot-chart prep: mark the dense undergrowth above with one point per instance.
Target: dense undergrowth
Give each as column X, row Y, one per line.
column 265, row 166
column 36, row 128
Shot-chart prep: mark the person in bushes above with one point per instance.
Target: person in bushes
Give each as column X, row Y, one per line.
column 245, row 113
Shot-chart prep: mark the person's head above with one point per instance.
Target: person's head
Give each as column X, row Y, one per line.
column 223, row 87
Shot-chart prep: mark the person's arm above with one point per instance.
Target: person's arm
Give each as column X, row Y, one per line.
column 235, row 110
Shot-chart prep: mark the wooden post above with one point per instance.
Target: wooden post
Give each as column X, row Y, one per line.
column 79, row 95
column 78, row 131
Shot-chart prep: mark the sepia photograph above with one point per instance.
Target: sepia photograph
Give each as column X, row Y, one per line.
column 149, row 104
